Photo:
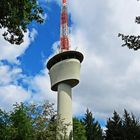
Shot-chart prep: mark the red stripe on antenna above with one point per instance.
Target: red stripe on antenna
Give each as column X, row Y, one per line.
column 64, row 1
column 64, row 39
column 64, row 18
column 64, row 43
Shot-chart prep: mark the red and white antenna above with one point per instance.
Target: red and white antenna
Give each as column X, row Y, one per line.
column 64, row 39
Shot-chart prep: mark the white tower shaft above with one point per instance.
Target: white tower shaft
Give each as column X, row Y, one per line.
column 64, row 105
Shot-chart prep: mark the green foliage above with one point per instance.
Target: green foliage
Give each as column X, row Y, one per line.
column 40, row 122
column 125, row 128
column 131, row 127
column 32, row 122
column 131, row 41
column 21, row 123
column 114, row 128
column 92, row 127
column 16, row 15
column 78, row 130
column 40, row 117
column 4, row 126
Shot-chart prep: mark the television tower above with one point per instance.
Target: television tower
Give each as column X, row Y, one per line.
column 64, row 71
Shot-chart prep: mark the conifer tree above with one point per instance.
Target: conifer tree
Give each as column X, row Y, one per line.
column 114, row 128
column 131, row 127
column 125, row 128
column 92, row 127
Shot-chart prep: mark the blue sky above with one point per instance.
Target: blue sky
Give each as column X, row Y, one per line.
column 39, row 50
column 109, row 75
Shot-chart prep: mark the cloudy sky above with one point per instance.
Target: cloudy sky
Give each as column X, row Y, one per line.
column 110, row 74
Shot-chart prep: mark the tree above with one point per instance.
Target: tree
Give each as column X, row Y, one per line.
column 21, row 123
column 92, row 127
column 131, row 41
column 46, row 123
column 4, row 126
column 78, row 130
column 114, row 128
column 131, row 127
column 125, row 128
column 32, row 122
column 16, row 15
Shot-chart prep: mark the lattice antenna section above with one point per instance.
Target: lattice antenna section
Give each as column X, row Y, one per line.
column 64, row 33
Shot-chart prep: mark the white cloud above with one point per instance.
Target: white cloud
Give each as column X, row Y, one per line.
column 9, row 75
column 4, row 75
column 41, row 84
column 110, row 74
column 11, row 94
column 11, row 52
column 11, row 88
column 16, row 87
column 33, row 34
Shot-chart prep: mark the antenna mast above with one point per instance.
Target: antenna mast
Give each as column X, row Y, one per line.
column 64, row 39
